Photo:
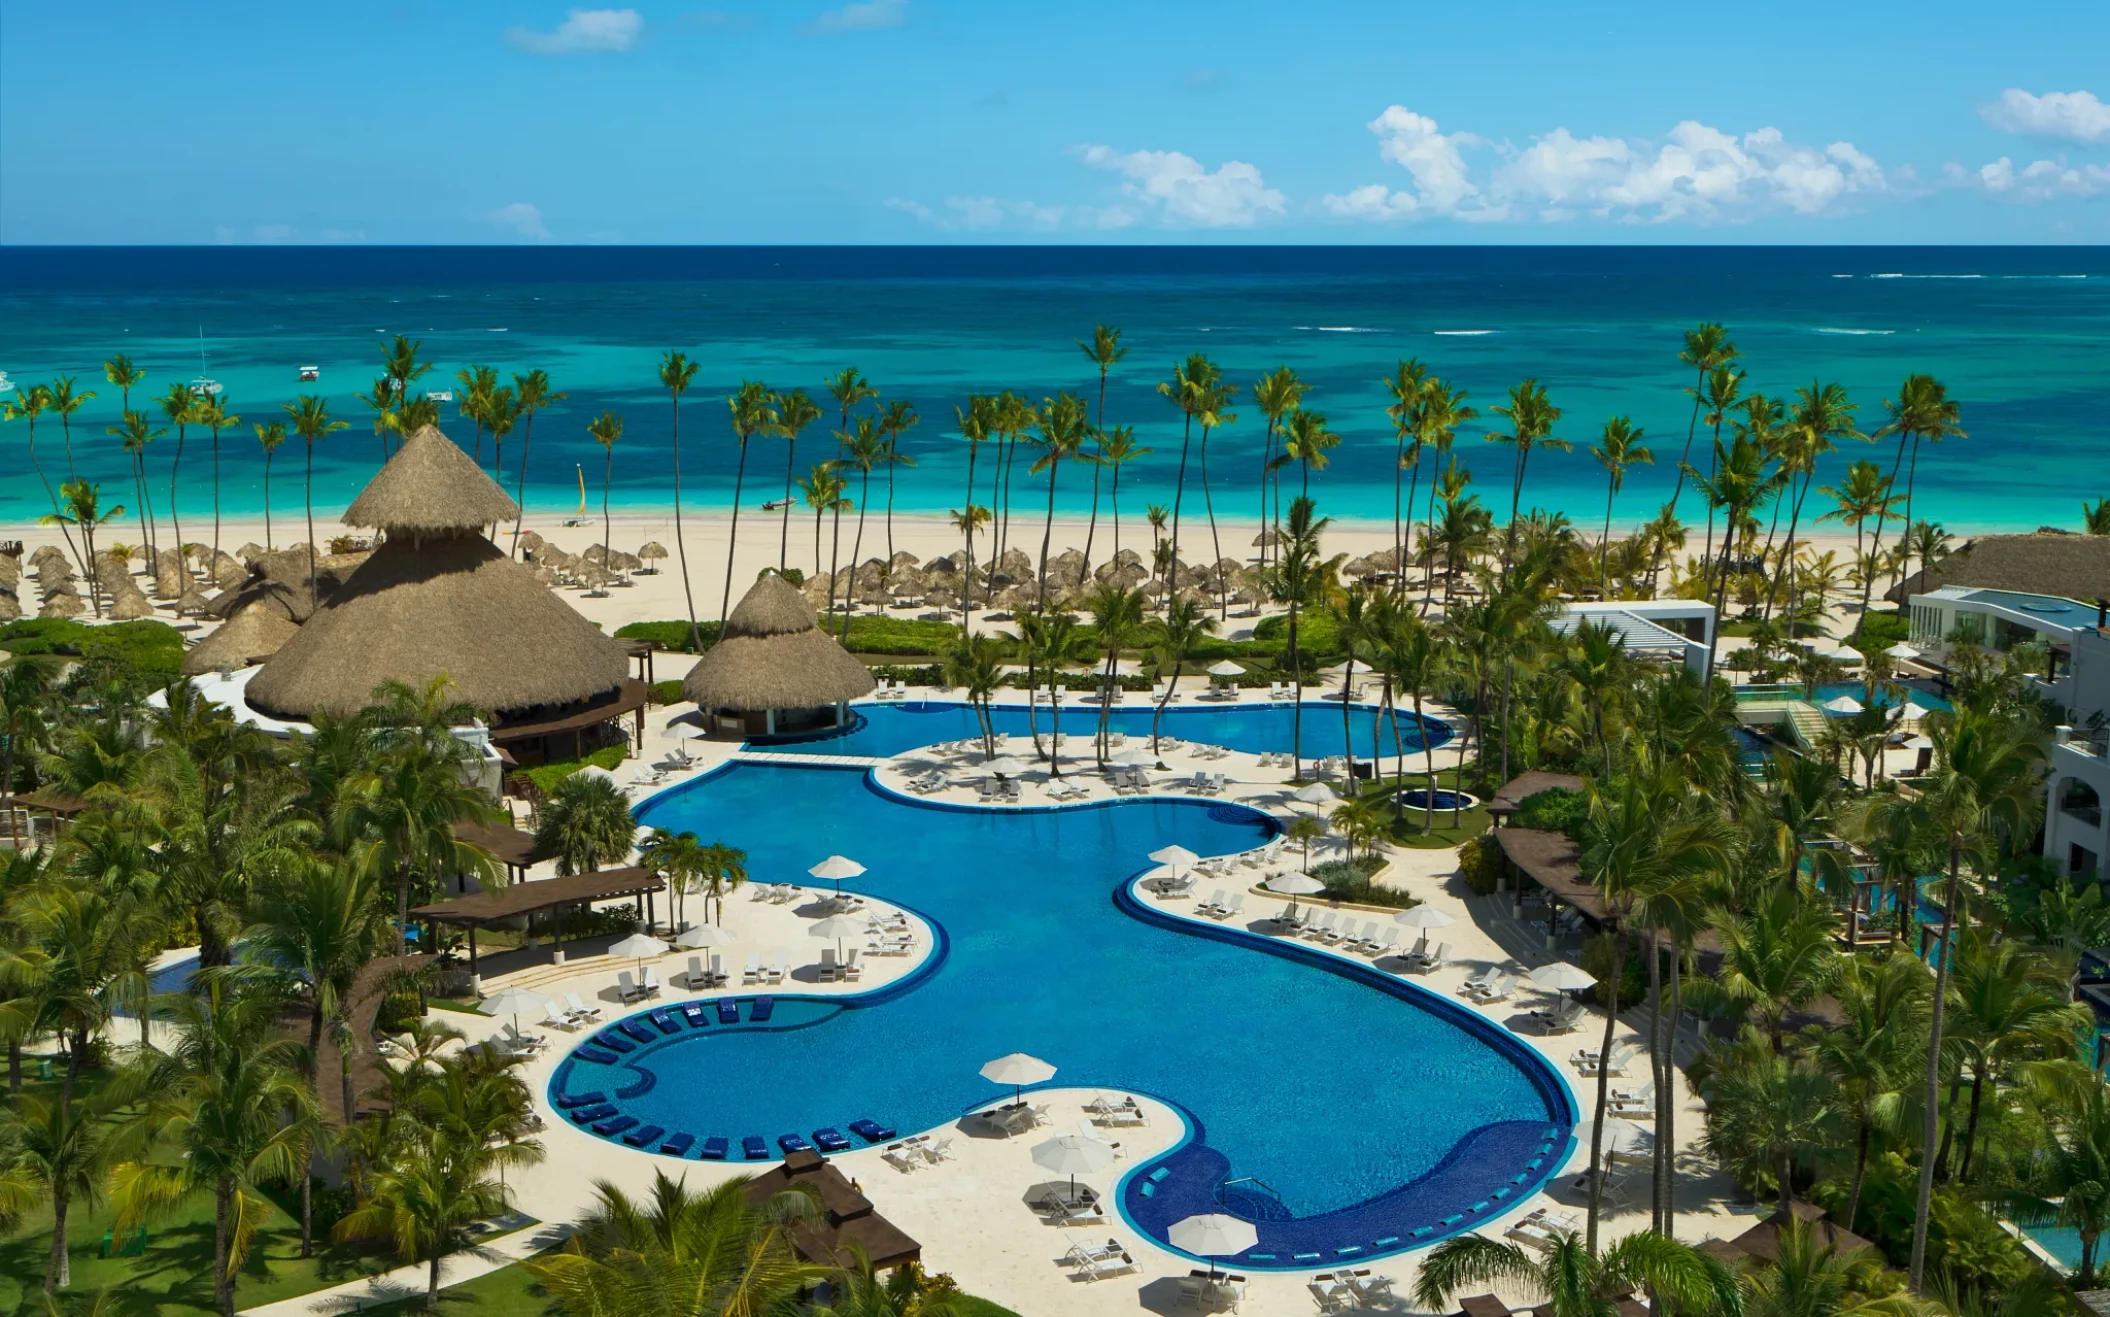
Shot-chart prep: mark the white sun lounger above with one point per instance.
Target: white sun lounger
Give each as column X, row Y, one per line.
column 579, row 1009
column 561, row 1019
column 1233, row 910
column 752, row 973
column 778, row 964
column 901, row 1157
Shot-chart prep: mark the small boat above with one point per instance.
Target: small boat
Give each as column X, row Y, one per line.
column 441, row 395
column 309, row 374
column 778, row 504
column 205, row 386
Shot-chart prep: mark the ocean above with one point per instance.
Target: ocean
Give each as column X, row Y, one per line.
column 2021, row 337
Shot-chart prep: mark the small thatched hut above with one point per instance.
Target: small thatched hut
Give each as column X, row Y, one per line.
column 250, row 636
column 773, row 673
column 437, row 598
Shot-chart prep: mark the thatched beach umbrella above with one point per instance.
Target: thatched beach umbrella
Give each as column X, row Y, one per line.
column 10, row 605
column 130, row 606
column 437, row 598
column 10, row 569
column 45, row 553
column 250, row 636
column 62, row 603
column 772, row 656
column 651, row 551
column 192, row 602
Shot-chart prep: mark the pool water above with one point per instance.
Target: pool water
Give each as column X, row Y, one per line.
column 1418, row 798
column 1885, row 697
column 890, row 729
column 1335, row 1090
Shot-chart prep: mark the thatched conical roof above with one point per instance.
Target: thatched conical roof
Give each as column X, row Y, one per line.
column 438, row 599
column 130, row 606
column 250, row 636
column 429, row 485
column 772, row 657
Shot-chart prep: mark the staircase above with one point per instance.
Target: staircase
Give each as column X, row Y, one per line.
column 1807, row 722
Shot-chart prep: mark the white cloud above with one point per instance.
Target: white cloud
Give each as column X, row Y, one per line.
column 862, row 16
column 971, row 214
column 273, row 233
column 1175, row 186
column 583, row 31
column 522, row 218
column 2071, row 116
column 1695, row 173
column 2041, row 180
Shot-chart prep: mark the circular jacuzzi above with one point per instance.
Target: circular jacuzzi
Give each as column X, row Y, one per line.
column 1418, row 798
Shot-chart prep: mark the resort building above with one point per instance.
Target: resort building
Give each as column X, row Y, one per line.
column 773, row 672
column 1668, row 629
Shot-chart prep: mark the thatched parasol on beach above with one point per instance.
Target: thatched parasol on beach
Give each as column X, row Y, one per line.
column 250, row 636
column 436, row 599
column 650, row 551
column 62, row 603
column 130, row 605
column 45, row 553
column 10, row 605
column 772, row 656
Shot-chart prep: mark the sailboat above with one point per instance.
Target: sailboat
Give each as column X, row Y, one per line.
column 204, row 385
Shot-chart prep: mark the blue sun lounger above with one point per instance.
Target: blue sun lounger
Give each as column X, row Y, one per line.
column 636, row 1029
column 609, row 1038
column 794, row 1143
column 677, row 1145
column 643, row 1135
column 595, row 1055
column 663, row 1020
column 714, row 1148
column 588, row 1115
column 755, row 1148
column 694, row 1011
column 728, row 1010
column 830, row 1139
column 871, row 1131
column 616, row 1126
column 570, row 1100
column 763, row 1008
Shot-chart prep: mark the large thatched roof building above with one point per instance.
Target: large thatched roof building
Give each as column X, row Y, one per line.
column 772, row 672
column 437, row 598
column 2070, row 566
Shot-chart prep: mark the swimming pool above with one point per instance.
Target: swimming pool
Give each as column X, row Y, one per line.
column 1920, row 699
column 1380, row 1117
column 889, row 729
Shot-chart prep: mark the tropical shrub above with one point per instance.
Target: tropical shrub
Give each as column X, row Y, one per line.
column 664, row 692
column 1555, row 810
column 1349, row 880
column 547, row 776
column 152, row 649
column 1480, row 863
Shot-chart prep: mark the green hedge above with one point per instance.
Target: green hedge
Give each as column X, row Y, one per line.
column 547, row 776
column 868, row 635
column 1554, row 810
column 665, row 692
column 1349, row 880
column 154, row 649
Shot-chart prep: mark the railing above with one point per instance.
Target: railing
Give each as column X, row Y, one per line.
column 2092, row 815
column 2096, row 743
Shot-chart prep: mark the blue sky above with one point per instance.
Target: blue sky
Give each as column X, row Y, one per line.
column 892, row 121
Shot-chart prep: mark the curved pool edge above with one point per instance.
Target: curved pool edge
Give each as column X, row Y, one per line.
column 1385, row 1224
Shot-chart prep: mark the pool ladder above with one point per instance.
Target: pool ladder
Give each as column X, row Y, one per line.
column 1256, row 1199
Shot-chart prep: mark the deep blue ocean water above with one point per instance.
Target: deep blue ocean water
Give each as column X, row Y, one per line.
column 2020, row 335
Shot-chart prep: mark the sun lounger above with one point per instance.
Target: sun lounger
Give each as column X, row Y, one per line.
column 696, row 977
column 754, row 1148
column 1542, row 1228
column 677, row 1145
column 568, row 1101
column 764, row 1007
column 1109, row 1264
column 1233, row 910
column 1474, row 983
column 556, row 1018
column 714, row 1148
column 693, row 1012
column 615, row 1126
column 521, row 1042
column 778, row 964
column 651, row 983
column 827, row 966
column 850, row 969
column 871, row 1131
column 595, row 1055
column 830, row 1139
column 611, row 1038
column 637, row 1029
column 728, row 1010
column 753, row 972
column 592, row 1113
column 1498, row 990
column 665, row 1021
column 936, row 1150
column 1384, row 946
column 626, row 986
column 1615, row 1064
column 1434, row 960
column 901, row 1157
column 794, row 1143
column 643, row 1135
column 1564, row 1017
column 579, row 1009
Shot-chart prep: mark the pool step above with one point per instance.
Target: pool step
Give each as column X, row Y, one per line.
column 807, row 761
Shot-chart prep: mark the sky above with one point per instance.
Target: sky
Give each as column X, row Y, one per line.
column 1109, row 121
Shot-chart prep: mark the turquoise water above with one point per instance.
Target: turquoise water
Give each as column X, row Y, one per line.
column 1884, row 698
column 2017, row 334
column 889, row 729
column 1315, row 1082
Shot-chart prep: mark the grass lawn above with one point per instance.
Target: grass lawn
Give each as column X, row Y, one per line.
column 1407, row 829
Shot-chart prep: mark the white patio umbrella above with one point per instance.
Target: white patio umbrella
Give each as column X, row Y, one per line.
column 1423, row 916
column 1226, row 668
column 1018, row 1070
column 1622, row 1138
column 1843, row 704
column 512, row 1001
column 1901, row 650
column 1294, row 885
column 1135, row 759
column 638, row 946
column 1315, row 795
column 838, row 927
column 1919, row 743
column 1561, row 976
column 1006, row 766
column 1073, row 1155
column 1212, row 1235
column 1175, row 858
column 837, row 867
column 705, row 935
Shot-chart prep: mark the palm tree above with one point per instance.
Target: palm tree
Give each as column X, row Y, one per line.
column 898, row 419
column 1117, row 448
column 1117, row 614
column 501, row 414
column 214, row 416
column 2095, row 517
column 1307, row 441
column 681, row 1252
column 230, row 1101
column 1531, row 416
column 25, row 691
column 848, row 388
column 62, row 398
column 1721, row 392
column 1105, row 352
column 1620, row 448
column 678, row 858
column 1764, row 1109
column 676, row 373
column 752, row 413
column 1405, row 384
column 2068, row 1180
column 1985, row 787
column 1813, row 1278
column 821, row 489
column 975, row 664
column 424, row 1198
column 399, row 361
column 533, row 393
column 270, row 436
column 1189, row 388
column 1276, row 394
column 1922, row 410
column 585, row 823
column 1417, row 660
column 1577, row 1279
column 1438, row 413
column 1740, row 486
column 721, row 869
column 1883, row 1008
column 58, row 1152
column 381, row 401
column 476, row 384
column 791, row 412
column 81, row 507
column 2010, row 1006
column 321, row 921
column 136, row 434
column 1707, row 349
column 866, row 446
column 311, row 421
column 1864, row 494
column 29, row 404
column 605, row 430
column 1062, row 435
column 1014, row 416
column 180, row 405
column 1183, row 628
column 124, row 376
column 977, row 426
column 1298, row 580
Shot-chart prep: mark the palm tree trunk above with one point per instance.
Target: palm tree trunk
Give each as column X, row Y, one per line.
column 835, row 556
column 784, row 522
column 1179, row 490
column 1604, row 1082
column 1347, row 732
column 1428, row 753
column 1296, row 717
column 1655, row 1067
column 1115, row 494
column 1970, row 1129
column 857, row 548
column 967, row 574
column 1883, row 515
column 890, row 508
column 1923, row 1199
column 607, row 533
column 1158, row 713
column 53, row 497
column 222, row 1227
column 267, row 500
column 732, row 542
column 527, row 437
column 175, row 513
column 1047, row 528
column 1091, row 526
column 210, row 571
column 58, row 1269
column 1604, row 541
column 1853, row 1195
column 1666, row 1105
column 432, row 1283
column 1223, row 584
column 681, row 547
column 1912, row 471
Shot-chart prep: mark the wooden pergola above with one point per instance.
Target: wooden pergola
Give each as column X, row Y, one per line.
column 513, row 848
column 481, row 909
